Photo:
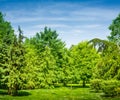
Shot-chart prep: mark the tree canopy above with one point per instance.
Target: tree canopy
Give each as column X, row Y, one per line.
column 115, row 31
column 43, row 61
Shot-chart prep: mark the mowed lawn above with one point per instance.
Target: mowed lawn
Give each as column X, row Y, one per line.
column 62, row 93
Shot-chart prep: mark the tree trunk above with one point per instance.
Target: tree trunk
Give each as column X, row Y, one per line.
column 13, row 91
column 84, row 83
column 9, row 91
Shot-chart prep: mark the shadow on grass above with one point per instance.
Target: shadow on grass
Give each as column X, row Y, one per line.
column 73, row 86
column 3, row 92
column 94, row 91
column 76, row 87
column 20, row 93
column 23, row 93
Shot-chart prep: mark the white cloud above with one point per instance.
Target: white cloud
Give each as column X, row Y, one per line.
column 74, row 22
column 53, row 13
column 51, row 26
column 98, row 13
column 34, row 19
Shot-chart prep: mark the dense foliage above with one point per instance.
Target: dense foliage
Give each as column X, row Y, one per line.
column 107, row 69
column 43, row 61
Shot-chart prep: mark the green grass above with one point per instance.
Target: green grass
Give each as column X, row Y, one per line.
column 62, row 93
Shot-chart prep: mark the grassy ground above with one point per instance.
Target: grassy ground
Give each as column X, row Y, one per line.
column 62, row 93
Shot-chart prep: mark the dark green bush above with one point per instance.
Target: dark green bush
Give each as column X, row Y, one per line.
column 96, row 84
column 111, row 87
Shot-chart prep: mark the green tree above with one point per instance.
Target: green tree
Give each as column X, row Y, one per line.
column 14, row 65
column 6, row 39
column 64, row 72
column 108, row 66
column 85, row 59
column 5, row 30
column 40, row 67
column 49, row 38
column 32, row 61
column 46, row 70
column 115, row 31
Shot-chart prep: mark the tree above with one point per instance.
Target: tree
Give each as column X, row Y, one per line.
column 40, row 67
column 46, row 69
column 13, row 69
column 6, row 40
column 85, row 59
column 64, row 72
column 5, row 30
column 49, row 38
column 115, row 31
column 108, row 66
column 30, row 75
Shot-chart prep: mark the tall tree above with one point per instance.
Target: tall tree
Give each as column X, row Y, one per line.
column 85, row 59
column 115, row 31
column 40, row 67
column 64, row 72
column 46, row 70
column 49, row 38
column 32, row 61
column 14, row 69
column 108, row 66
column 6, row 40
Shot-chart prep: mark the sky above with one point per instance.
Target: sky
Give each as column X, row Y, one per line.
column 74, row 20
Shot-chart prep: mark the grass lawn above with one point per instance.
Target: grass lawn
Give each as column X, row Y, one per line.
column 62, row 93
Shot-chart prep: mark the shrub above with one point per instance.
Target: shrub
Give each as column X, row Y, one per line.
column 96, row 84
column 111, row 87
column 117, row 90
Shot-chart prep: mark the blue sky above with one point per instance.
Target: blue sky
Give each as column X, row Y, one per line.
column 74, row 20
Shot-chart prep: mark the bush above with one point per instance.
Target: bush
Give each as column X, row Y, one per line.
column 111, row 87
column 96, row 85
column 118, row 90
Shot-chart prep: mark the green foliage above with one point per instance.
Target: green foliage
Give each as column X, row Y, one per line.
column 85, row 58
column 40, row 67
column 46, row 69
column 65, row 69
column 111, row 87
column 6, row 31
column 43, row 61
column 51, row 52
column 108, row 65
column 50, row 39
column 115, row 31
column 14, row 70
column 30, row 70
column 6, row 40
column 11, row 57
column 96, row 85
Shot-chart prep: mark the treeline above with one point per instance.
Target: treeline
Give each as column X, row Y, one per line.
column 43, row 61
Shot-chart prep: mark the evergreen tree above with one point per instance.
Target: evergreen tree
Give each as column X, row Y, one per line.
column 32, row 62
column 14, row 69
column 49, row 38
column 6, row 40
